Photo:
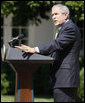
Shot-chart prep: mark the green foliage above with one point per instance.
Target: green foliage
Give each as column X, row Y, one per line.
column 81, row 62
column 26, row 11
column 81, row 89
column 9, row 98
column 7, row 7
column 76, row 9
column 4, row 84
column 8, row 77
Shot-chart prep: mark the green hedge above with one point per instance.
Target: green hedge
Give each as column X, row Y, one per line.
column 4, row 84
column 7, row 79
column 81, row 89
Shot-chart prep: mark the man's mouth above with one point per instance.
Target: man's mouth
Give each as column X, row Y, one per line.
column 55, row 21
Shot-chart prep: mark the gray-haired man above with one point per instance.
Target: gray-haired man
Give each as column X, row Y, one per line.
column 64, row 73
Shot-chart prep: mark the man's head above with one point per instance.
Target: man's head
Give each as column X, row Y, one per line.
column 60, row 13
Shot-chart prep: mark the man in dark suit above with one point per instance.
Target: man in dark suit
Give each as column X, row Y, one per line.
column 64, row 73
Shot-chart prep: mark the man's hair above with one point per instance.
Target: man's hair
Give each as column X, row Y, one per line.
column 64, row 9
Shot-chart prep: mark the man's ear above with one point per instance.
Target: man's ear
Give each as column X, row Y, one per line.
column 66, row 16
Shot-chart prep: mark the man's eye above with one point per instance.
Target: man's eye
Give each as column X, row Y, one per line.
column 56, row 13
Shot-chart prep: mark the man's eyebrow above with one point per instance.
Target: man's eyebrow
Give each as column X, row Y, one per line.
column 54, row 13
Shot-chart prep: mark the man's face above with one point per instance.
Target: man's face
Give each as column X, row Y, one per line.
column 58, row 17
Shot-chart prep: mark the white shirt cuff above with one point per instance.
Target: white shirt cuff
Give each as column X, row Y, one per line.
column 37, row 49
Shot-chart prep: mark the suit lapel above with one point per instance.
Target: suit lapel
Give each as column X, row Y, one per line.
column 62, row 27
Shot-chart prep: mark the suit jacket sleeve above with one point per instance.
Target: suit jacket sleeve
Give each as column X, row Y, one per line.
column 64, row 40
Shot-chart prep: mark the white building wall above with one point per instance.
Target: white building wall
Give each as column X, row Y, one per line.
column 37, row 35
column 7, row 31
column 41, row 34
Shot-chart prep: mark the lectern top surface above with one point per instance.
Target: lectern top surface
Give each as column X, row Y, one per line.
column 15, row 54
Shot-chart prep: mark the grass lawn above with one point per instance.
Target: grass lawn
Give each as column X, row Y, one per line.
column 5, row 98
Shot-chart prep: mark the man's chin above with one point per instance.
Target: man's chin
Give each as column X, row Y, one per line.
column 57, row 25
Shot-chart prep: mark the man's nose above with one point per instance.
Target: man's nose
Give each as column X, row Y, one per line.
column 54, row 17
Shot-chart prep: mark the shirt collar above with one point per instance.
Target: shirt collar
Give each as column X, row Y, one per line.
column 63, row 24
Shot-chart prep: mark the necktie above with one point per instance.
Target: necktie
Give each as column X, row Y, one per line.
column 56, row 33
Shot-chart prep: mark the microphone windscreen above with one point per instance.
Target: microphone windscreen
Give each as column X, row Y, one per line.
column 21, row 36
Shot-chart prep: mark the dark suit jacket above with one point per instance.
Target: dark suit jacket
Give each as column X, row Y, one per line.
column 65, row 50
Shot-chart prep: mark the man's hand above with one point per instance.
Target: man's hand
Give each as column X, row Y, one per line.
column 26, row 48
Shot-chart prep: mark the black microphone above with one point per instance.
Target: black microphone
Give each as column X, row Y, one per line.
column 21, row 36
column 15, row 40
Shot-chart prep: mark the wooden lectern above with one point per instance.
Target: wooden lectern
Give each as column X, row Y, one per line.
column 24, row 65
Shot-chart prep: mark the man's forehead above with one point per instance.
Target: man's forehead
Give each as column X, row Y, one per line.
column 55, row 9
